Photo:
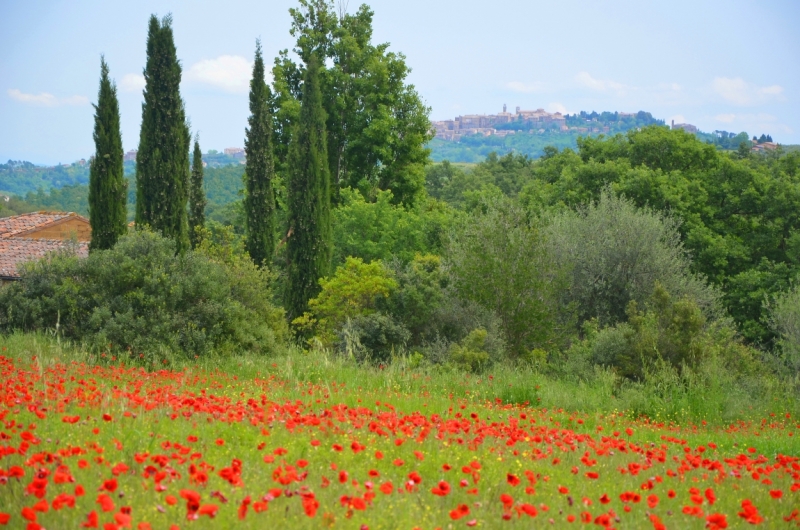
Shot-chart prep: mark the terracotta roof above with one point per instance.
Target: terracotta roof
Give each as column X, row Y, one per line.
column 14, row 251
column 18, row 225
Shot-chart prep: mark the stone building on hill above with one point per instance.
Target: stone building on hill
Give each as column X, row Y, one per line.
column 33, row 235
column 485, row 124
column 688, row 127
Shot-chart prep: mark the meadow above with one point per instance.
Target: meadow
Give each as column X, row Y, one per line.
column 310, row 440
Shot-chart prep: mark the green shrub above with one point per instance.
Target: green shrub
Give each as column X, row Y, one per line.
column 499, row 260
column 421, row 291
column 784, row 319
column 668, row 332
column 471, row 354
column 353, row 291
column 142, row 297
column 615, row 253
column 372, row 337
column 381, row 230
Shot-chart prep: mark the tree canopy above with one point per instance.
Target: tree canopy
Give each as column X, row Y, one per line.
column 377, row 124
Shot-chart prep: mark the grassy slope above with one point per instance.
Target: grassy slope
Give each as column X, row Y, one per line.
column 296, row 385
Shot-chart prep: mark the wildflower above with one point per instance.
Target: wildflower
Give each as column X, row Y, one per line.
column 461, row 511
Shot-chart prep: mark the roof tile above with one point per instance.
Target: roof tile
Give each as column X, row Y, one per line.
column 19, row 224
column 15, row 251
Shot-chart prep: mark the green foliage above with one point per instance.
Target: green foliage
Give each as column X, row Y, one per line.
column 353, row 291
column 20, row 178
column 309, row 244
column 784, row 319
column 495, row 176
column 373, row 337
column 142, row 297
column 738, row 214
column 670, row 333
column 616, row 253
column 108, row 188
column 377, row 124
column 668, row 330
column 197, row 196
column 499, row 260
column 418, row 299
column 382, row 230
column 162, row 163
column 470, row 354
column 15, row 206
column 259, row 197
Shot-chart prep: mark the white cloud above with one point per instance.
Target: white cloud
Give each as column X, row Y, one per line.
column 46, row 99
column 600, row 85
column 739, row 92
column 557, row 107
column 132, row 83
column 774, row 90
column 525, row 88
column 230, row 73
column 759, row 123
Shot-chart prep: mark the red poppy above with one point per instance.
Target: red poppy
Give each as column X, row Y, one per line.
column 461, row 511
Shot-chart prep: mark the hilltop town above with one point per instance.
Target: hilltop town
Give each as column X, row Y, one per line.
column 533, row 121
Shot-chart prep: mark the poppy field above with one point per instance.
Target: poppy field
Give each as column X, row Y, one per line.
column 104, row 445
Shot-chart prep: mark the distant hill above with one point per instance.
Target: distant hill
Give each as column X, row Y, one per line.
column 518, row 137
column 222, row 183
column 19, row 178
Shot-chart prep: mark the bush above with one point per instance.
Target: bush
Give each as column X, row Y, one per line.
column 420, row 293
column 784, row 319
column 373, row 337
column 142, row 297
column 616, row 253
column 471, row 354
column 668, row 332
column 353, row 291
column 499, row 261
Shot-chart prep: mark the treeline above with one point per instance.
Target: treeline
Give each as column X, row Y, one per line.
column 19, row 178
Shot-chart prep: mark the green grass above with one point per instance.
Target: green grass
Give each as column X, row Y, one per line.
column 270, row 400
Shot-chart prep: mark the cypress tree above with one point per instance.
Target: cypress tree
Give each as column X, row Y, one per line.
column 197, row 196
column 108, row 189
column 309, row 204
column 259, row 198
column 162, row 163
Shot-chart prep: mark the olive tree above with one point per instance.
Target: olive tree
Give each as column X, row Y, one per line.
column 616, row 252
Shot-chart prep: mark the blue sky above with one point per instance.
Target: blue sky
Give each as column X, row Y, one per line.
column 729, row 65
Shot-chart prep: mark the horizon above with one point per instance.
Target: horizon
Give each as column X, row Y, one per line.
column 700, row 65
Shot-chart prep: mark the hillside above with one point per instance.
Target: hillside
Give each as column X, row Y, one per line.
column 65, row 188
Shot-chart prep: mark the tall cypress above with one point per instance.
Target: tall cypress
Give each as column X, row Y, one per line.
column 259, row 198
column 309, row 204
column 108, row 189
column 162, row 163
column 197, row 196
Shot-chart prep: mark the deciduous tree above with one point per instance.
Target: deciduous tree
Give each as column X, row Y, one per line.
column 377, row 124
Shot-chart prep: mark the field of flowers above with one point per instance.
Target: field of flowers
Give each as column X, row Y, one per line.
column 107, row 446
